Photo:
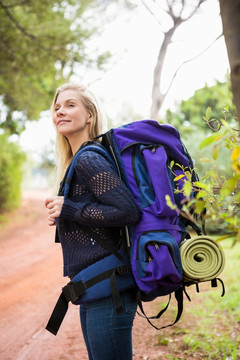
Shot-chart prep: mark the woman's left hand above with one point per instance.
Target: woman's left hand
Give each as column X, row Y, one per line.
column 54, row 206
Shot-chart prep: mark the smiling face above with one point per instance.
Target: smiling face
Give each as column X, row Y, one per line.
column 70, row 116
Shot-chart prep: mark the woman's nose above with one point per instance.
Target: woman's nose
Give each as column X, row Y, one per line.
column 60, row 111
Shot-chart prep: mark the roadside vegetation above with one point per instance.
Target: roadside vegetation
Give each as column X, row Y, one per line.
column 11, row 161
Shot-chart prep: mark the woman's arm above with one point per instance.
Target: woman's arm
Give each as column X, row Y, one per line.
column 112, row 203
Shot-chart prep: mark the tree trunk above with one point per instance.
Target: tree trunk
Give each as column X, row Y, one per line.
column 157, row 96
column 176, row 13
column 230, row 13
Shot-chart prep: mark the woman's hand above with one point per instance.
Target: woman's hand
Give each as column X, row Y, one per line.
column 54, row 206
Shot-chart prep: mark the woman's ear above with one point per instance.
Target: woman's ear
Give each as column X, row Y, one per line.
column 89, row 118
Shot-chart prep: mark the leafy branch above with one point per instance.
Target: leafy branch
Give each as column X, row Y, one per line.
column 15, row 21
column 219, row 194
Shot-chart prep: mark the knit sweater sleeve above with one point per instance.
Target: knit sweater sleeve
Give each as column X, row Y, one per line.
column 111, row 202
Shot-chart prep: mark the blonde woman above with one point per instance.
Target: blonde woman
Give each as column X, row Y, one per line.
column 97, row 199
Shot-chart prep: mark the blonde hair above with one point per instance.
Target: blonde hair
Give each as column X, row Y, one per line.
column 63, row 149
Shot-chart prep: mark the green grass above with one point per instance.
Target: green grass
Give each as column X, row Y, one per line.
column 216, row 333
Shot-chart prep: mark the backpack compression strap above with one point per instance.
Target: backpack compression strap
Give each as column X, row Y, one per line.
column 179, row 298
column 73, row 290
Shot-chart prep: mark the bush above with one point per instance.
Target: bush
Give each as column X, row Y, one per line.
column 11, row 160
column 219, row 189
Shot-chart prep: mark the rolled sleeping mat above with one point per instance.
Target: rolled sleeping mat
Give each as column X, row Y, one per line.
column 202, row 259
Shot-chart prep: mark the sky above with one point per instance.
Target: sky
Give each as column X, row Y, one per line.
column 134, row 39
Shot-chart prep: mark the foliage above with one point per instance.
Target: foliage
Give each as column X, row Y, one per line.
column 11, row 160
column 187, row 117
column 222, row 193
column 41, row 42
column 194, row 131
column 219, row 193
column 200, row 155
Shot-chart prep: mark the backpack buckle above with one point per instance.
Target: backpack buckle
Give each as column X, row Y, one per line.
column 70, row 292
column 123, row 269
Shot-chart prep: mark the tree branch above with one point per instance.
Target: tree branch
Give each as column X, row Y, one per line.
column 171, row 13
column 191, row 59
column 183, row 6
column 16, row 22
column 150, row 11
column 153, row 14
column 170, row 10
column 20, row 3
column 178, row 19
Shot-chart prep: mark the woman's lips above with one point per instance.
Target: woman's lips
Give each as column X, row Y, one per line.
column 63, row 121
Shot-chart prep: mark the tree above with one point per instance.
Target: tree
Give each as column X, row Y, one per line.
column 40, row 43
column 188, row 117
column 230, row 13
column 177, row 13
column 189, row 120
column 11, row 162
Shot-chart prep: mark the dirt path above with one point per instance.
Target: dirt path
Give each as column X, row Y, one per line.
column 30, row 280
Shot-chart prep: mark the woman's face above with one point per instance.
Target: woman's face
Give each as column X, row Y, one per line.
column 70, row 115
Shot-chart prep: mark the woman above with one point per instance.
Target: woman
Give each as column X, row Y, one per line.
column 97, row 199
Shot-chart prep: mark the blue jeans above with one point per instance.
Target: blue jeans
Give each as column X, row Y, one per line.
column 107, row 334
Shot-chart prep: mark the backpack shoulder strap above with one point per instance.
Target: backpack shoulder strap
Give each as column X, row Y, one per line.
column 89, row 146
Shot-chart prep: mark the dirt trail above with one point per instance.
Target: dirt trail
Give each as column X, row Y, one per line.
column 30, row 280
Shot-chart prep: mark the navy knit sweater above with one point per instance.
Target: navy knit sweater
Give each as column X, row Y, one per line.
column 97, row 199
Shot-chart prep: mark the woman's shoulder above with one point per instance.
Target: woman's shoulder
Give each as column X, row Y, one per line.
column 91, row 157
column 93, row 151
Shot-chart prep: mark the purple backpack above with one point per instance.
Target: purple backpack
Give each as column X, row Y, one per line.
column 150, row 157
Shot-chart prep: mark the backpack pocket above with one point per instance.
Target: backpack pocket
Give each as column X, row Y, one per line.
column 156, row 162
column 157, row 267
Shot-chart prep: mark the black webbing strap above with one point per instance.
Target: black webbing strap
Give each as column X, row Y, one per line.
column 161, row 312
column 214, row 284
column 58, row 315
column 115, row 293
column 179, row 298
column 73, row 290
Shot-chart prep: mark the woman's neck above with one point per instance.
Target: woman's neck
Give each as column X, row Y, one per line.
column 76, row 141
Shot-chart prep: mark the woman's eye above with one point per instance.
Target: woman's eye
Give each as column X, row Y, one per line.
column 70, row 105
